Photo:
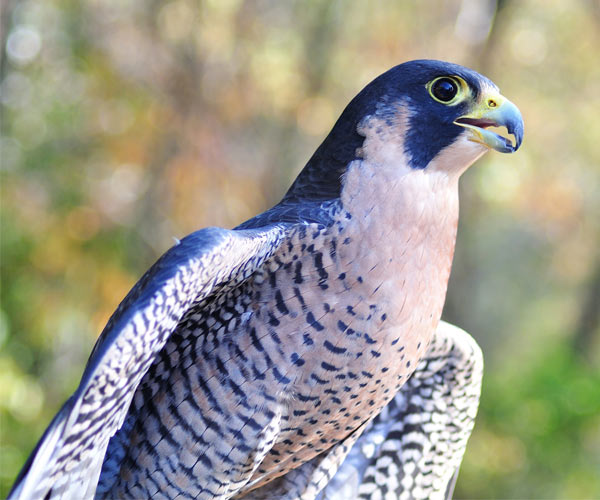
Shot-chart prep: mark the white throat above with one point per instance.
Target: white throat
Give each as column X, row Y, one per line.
column 404, row 222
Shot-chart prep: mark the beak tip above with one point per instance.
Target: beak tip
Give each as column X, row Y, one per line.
column 517, row 130
column 510, row 117
column 515, row 126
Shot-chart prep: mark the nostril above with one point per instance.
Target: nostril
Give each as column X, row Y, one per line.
column 491, row 103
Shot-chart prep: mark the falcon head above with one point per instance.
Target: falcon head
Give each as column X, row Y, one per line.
column 422, row 114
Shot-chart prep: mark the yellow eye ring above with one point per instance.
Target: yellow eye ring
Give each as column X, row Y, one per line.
column 447, row 90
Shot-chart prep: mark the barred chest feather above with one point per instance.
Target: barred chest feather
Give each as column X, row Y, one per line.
column 350, row 309
column 281, row 368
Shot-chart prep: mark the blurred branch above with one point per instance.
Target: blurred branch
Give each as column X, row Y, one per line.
column 484, row 58
column 594, row 6
column 319, row 34
column 589, row 319
column 6, row 9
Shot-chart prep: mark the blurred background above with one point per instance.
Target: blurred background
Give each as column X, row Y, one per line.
column 126, row 123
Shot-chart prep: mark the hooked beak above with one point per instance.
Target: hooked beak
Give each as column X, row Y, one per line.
column 494, row 110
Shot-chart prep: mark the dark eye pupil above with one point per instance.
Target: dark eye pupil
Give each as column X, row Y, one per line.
column 444, row 89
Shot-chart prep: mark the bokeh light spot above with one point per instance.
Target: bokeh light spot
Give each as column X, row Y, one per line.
column 529, row 46
column 23, row 45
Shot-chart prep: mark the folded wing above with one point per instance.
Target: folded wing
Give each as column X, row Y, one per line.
column 67, row 461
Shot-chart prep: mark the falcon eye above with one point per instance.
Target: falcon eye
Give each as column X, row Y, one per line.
column 445, row 89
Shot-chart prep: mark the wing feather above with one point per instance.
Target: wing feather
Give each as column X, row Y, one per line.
column 67, row 461
column 414, row 447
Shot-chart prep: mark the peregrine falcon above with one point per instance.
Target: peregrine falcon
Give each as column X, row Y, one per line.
column 301, row 354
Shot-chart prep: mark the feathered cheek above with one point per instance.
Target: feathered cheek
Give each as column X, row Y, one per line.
column 384, row 141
